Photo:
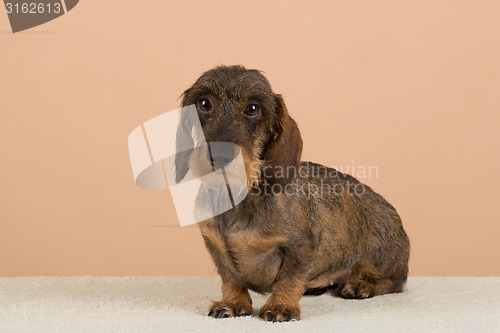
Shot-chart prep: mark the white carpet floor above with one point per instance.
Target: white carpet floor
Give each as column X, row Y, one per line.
column 180, row 304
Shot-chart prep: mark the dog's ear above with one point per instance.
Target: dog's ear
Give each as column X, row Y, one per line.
column 184, row 146
column 282, row 156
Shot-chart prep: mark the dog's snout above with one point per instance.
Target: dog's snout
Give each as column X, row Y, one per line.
column 219, row 161
column 221, row 154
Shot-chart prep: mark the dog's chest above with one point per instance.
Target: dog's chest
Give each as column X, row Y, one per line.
column 256, row 259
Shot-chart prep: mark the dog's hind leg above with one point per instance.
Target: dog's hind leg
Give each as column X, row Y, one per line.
column 364, row 281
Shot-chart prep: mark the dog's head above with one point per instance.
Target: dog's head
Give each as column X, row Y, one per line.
column 236, row 105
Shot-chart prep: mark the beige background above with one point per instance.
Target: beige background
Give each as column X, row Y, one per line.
column 411, row 87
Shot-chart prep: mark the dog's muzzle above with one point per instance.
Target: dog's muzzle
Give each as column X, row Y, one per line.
column 221, row 154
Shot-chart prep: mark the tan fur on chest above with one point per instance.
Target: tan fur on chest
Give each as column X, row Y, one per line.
column 254, row 259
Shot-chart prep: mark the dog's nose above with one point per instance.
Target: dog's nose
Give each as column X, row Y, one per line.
column 221, row 154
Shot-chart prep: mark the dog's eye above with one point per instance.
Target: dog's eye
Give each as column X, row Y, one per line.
column 252, row 110
column 204, row 105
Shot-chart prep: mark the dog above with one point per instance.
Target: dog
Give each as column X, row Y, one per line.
column 303, row 228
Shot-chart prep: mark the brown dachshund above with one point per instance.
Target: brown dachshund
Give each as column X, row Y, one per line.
column 303, row 228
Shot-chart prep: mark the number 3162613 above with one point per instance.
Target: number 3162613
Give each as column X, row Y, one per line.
column 32, row 8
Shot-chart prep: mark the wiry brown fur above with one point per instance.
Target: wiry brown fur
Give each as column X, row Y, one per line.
column 290, row 244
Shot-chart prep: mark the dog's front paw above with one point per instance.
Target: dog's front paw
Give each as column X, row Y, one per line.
column 279, row 312
column 224, row 309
